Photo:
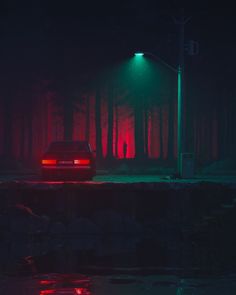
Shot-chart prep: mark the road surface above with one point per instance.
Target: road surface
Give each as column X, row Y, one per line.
column 128, row 178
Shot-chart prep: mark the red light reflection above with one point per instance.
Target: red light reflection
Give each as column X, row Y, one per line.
column 79, row 291
column 68, row 291
column 46, row 292
column 69, row 284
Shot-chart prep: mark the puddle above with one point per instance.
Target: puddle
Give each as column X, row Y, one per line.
column 78, row 284
column 103, row 265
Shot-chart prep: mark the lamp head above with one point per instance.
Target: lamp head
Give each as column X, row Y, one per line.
column 138, row 53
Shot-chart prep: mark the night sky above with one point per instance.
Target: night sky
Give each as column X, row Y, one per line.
column 102, row 32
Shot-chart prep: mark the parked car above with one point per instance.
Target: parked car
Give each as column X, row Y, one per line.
column 68, row 159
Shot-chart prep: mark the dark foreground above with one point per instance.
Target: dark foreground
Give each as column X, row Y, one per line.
column 163, row 237
column 78, row 284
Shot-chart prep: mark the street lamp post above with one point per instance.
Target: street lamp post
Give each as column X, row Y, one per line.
column 180, row 104
column 180, row 112
column 181, row 21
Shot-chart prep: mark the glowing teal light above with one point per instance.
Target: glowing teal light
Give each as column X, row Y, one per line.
column 139, row 54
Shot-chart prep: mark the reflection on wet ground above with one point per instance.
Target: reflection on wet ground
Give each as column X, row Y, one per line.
column 110, row 247
column 125, row 284
column 108, row 264
column 158, row 259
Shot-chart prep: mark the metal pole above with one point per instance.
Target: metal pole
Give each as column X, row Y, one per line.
column 179, row 120
column 181, row 95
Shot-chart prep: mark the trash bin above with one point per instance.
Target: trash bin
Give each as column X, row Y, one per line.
column 187, row 165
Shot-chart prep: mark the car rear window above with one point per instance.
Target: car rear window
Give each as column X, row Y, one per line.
column 69, row 147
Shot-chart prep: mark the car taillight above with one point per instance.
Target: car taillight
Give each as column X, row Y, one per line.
column 47, row 292
column 82, row 162
column 49, row 162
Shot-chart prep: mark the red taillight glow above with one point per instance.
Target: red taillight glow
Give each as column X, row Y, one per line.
column 82, row 162
column 49, row 162
column 77, row 291
column 47, row 292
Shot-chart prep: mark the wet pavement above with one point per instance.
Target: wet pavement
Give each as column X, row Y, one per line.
column 76, row 284
column 154, row 262
column 138, row 178
column 61, row 272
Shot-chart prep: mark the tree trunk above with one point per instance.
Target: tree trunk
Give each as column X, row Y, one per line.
column 211, row 133
column 117, row 131
column 22, row 138
column 68, row 120
column 110, row 122
column 221, row 127
column 87, row 128
column 139, row 134
column 161, row 133
column 7, row 132
column 153, row 133
column 146, row 132
column 30, row 136
column 232, row 131
column 170, row 147
column 98, row 125
column 188, row 126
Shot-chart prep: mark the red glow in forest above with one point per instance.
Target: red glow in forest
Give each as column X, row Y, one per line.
column 75, row 291
column 46, row 117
